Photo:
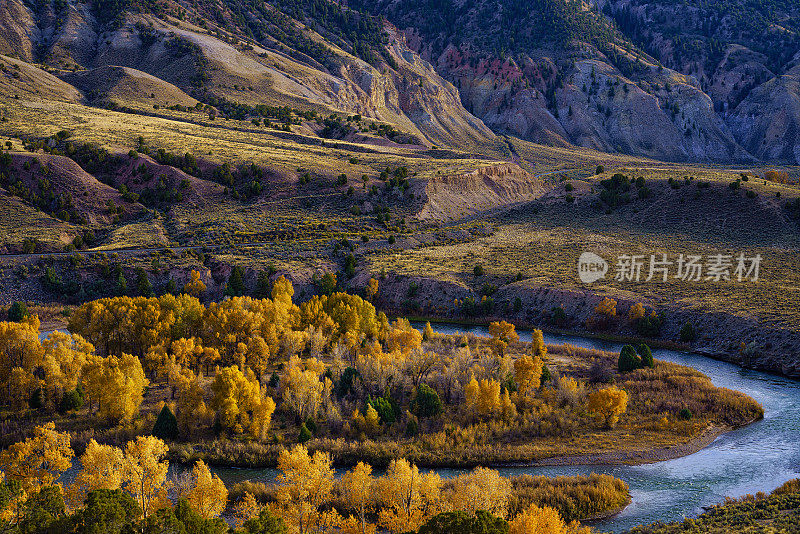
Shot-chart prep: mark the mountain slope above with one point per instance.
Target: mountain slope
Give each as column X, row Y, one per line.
column 551, row 70
column 215, row 57
column 664, row 79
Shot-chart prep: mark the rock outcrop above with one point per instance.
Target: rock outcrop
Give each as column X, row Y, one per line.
column 454, row 197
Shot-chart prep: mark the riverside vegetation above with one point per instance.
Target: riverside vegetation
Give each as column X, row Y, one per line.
column 163, row 162
column 330, row 380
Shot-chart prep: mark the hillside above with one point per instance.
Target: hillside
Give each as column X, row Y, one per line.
column 608, row 77
column 304, row 138
column 123, row 86
column 661, row 79
column 215, row 58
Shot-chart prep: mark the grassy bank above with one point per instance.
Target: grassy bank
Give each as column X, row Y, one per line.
column 777, row 512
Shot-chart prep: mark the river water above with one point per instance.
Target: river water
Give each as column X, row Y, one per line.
column 759, row 457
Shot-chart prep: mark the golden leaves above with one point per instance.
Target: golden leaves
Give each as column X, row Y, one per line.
column 116, row 384
column 39, row 460
column 206, row 493
column 608, row 404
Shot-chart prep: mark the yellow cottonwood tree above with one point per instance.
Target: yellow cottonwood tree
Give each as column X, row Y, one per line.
column 116, row 384
column 63, row 358
column 427, row 332
column 194, row 286
column 408, row 498
column 305, row 483
column 20, row 354
column 144, row 472
column 187, row 352
column 351, row 315
column 502, row 334
column 239, row 403
column 192, row 412
column 481, row 489
column 39, row 460
column 372, row 421
column 403, row 337
column 608, row 404
column 207, row 494
column 542, row 520
column 528, row 374
column 356, row 487
column 102, row 468
column 483, row 396
column 537, row 345
column 303, row 386
column 606, row 307
column 371, row 289
column 636, row 312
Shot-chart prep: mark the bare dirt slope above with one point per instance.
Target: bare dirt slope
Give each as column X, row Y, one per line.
column 462, row 195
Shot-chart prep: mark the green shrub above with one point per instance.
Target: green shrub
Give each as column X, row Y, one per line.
column 17, row 312
column 72, row 400
column 265, row 523
column 311, row 425
column 166, row 426
column 143, row 283
column 558, row 316
column 688, row 333
column 646, row 355
column 478, row 270
column 461, row 522
column 108, row 512
column 426, row 402
column 628, row 359
column 305, row 434
column 649, row 326
column 235, row 287
column 385, row 410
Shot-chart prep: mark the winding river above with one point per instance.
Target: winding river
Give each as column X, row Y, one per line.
column 759, row 457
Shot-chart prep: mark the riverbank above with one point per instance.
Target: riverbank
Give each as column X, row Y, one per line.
column 523, row 325
column 752, row 339
column 251, row 455
column 640, row 457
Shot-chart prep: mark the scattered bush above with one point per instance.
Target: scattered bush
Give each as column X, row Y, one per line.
column 628, row 359
column 688, row 333
column 17, row 312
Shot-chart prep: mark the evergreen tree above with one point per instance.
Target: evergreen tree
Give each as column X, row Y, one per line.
column 143, row 284
column 628, row 359
column 235, row 287
column 166, row 426
column 646, row 354
column 427, row 402
column 17, row 312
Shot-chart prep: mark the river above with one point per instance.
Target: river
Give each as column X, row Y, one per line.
column 759, row 457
